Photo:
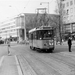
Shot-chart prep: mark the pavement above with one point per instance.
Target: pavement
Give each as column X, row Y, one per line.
column 18, row 65
column 11, row 44
column 65, row 43
column 9, row 65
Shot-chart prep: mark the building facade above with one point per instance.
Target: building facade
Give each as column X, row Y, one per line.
column 13, row 29
column 69, row 16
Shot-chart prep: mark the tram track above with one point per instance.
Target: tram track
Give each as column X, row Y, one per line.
column 26, row 68
column 31, row 60
column 41, row 67
column 50, row 63
column 40, row 57
column 64, row 59
column 70, row 64
column 55, row 64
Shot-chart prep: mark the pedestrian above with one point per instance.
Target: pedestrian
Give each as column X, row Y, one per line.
column 69, row 44
column 8, row 43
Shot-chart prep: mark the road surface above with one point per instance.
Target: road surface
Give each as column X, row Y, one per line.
column 61, row 62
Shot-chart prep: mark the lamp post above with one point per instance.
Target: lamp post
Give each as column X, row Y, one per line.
column 45, row 3
column 60, row 19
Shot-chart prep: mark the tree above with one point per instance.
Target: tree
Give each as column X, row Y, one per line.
column 59, row 10
column 43, row 19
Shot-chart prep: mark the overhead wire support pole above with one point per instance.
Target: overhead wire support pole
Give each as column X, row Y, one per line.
column 25, row 29
column 60, row 20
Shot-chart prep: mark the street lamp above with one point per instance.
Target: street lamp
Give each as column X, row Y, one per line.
column 45, row 3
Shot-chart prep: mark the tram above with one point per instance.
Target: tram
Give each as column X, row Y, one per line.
column 42, row 38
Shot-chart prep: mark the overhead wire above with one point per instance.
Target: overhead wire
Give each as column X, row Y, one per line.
column 26, row 5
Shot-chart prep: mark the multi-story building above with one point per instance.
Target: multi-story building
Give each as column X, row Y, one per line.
column 13, row 29
column 68, row 8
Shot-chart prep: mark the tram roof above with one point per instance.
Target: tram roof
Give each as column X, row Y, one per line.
column 41, row 28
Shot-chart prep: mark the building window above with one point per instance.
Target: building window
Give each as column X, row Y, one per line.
column 64, row 12
column 67, row 4
column 63, row 5
column 71, row 10
column 71, row 2
column 71, row 17
column 67, row 11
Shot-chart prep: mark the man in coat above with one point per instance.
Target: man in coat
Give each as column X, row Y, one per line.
column 69, row 43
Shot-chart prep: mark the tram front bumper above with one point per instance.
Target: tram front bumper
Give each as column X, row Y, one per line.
column 48, row 47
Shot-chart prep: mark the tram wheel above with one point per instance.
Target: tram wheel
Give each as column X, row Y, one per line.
column 50, row 51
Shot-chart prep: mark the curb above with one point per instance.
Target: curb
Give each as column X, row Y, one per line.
column 18, row 66
column 1, row 60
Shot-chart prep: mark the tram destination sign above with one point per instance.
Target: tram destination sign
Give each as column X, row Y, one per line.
column 47, row 27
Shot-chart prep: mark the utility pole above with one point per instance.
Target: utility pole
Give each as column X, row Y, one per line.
column 25, row 29
column 60, row 30
column 59, row 2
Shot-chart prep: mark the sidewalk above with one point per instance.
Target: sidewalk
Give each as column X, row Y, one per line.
column 8, row 66
column 12, row 44
column 65, row 43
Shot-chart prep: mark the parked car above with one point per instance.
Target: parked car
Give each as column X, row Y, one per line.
column 1, row 42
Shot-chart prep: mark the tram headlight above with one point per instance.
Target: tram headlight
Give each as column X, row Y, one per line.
column 52, row 43
column 49, row 43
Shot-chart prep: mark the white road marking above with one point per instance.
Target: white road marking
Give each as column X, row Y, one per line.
column 18, row 66
column 1, row 60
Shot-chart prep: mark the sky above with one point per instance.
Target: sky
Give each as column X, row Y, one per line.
column 11, row 8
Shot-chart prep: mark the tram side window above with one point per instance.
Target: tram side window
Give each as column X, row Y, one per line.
column 39, row 35
column 34, row 35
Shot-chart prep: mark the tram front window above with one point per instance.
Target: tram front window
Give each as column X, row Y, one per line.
column 45, row 34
